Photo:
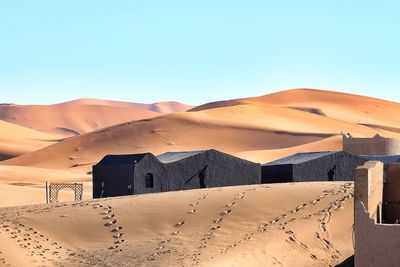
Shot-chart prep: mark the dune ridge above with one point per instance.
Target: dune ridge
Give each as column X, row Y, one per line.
column 17, row 140
column 83, row 115
column 256, row 131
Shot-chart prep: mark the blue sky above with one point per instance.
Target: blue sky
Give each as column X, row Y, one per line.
column 195, row 51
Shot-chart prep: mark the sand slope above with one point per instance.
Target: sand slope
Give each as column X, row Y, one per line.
column 259, row 129
column 261, row 225
column 230, row 129
column 16, row 140
column 377, row 113
column 83, row 115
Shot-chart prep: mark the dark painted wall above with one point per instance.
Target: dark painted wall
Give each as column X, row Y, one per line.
column 112, row 180
column 219, row 169
column 277, row 174
column 208, row 169
column 318, row 169
column 149, row 164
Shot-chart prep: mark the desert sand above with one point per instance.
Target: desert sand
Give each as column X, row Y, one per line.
column 258, row 131
column 259, row 225
column 303, row 224
column 83, row 115
column 16, row 140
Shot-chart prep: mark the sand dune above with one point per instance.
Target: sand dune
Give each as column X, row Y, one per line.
column 295, row 224
column 346, row 107
column 260, row 129
column 333, row 143
column 260, row 225
column 83, row 115
column 230, row 129
column 16, row 140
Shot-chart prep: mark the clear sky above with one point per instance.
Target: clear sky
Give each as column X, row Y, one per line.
column 195, row 51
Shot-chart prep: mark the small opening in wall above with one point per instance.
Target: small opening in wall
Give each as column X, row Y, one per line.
column 331, row 173
column 149, row 180
column 202, row 177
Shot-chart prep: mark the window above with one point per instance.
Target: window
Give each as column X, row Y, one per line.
column 149, row 180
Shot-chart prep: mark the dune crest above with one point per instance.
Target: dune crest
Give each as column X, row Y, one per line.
column 83, row 115
column 255, row 129
column 17, row 140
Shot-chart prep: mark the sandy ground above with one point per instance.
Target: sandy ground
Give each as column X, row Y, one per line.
column 19, row 194
column 303, row 224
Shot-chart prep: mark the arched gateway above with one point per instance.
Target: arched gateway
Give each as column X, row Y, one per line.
column 55, row 187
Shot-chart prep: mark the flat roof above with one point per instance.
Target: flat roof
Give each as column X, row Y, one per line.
column 301, row 157
column 169, row 157
column 122, row 159
column 384, row 159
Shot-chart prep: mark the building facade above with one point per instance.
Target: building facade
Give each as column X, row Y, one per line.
column 313, row 166
column 118, row 175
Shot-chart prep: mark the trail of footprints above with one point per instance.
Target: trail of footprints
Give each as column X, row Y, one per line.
column 34, row 242
column 111, row 223
column 162, row 247
column 283, row 220
column 215, row 225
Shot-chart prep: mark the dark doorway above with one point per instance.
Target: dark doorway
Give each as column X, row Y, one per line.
column 331, row 173
column 202, row 177
column 149, row 180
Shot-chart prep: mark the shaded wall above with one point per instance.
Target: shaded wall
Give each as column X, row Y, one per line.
column 204, row 170
column 211, row 169
column 338, row 166
column 391, row 194
column 277, row 173
column 149, row 165
column 375, row 244
column 112, row 180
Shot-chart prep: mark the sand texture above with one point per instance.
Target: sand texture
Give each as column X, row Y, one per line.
column 260, row 225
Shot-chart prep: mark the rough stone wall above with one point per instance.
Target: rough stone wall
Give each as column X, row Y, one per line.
column 223, row 170
column 375, row 244
column 391, row 194
column 149, row 164
column 372, row 146
column 317, row 170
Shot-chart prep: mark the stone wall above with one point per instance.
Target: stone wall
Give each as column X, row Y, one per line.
column 376, row 244
column 372, row 146
column 391, row 194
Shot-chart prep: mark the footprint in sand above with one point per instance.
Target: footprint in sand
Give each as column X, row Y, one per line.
column 225, row 212
column 117, row 235
column 117, row 229
column 180, row 223
column 109, row 217
column 215, row 227
column 230, row 205
column 218, row 220
column 110, row 223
